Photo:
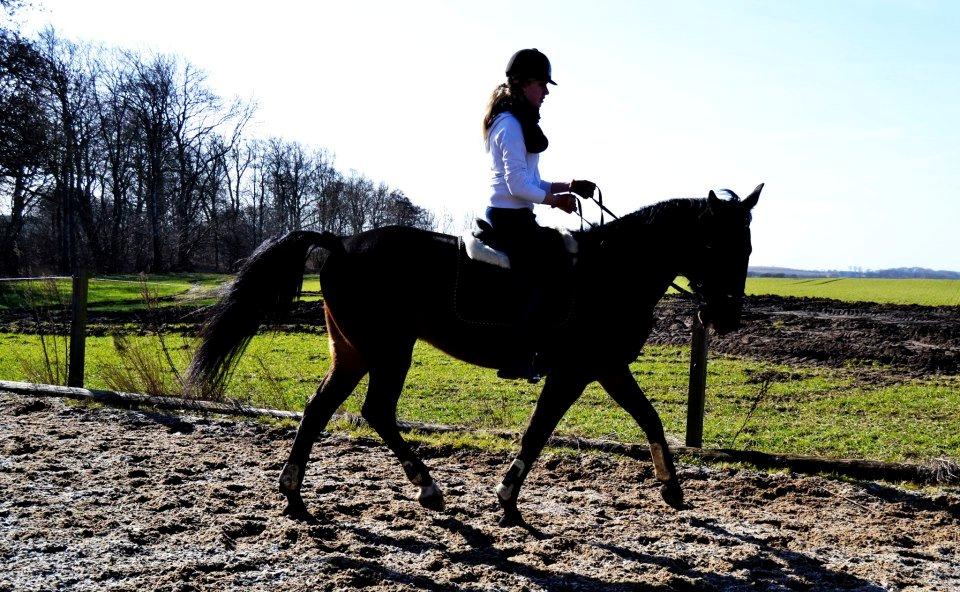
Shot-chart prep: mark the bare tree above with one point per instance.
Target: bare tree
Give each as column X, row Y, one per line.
column 118, row 136
column 70, row 90
column 24, row 138
column 151, row 86
column 404, row 212
column 203, row 132
column 129, row 161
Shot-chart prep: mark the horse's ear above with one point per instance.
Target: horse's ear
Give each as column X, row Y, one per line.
column 712, row 200
column 752, row 199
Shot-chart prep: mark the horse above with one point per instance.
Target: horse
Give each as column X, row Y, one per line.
column 388, row 287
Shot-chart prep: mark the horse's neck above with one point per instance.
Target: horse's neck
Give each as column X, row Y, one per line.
column 656, row 254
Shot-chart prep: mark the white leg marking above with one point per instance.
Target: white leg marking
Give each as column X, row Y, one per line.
column 416, row 479
column 505, row 491
column 290, row 477
column 429, row 491
column 659, row 462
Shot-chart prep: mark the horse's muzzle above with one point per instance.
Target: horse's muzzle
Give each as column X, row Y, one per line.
column 723, row 314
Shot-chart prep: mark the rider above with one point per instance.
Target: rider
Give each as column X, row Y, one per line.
column 514, row 140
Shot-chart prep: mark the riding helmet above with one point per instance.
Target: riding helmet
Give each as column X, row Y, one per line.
column 529, row 64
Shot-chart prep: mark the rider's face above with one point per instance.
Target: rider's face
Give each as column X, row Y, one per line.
column 535, row 91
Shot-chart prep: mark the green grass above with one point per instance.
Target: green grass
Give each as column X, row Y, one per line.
column 118, row 293
column 808, row 410
column 113, row 293
column 892, row 291
column 124, row 292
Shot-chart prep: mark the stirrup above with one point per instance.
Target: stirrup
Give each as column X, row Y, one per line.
column 528, row 372
column 530, row 376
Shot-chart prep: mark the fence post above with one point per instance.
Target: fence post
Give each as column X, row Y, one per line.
column 696, row 394
column 78, row 329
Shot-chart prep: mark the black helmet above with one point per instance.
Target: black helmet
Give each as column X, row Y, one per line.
column 529, row 64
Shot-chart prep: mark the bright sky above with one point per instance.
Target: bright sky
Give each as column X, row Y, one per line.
column 849, row 111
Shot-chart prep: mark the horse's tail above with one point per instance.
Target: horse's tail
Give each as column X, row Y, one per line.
column 265, row 287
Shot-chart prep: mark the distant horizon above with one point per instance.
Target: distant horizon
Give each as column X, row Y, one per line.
column 784, row 269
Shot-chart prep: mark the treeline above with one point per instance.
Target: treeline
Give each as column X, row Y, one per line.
column 895, row 273
column 122, row 161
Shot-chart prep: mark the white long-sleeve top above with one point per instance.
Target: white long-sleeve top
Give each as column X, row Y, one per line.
column 514, row 177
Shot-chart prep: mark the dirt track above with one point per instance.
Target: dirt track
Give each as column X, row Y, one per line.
column 108, row 499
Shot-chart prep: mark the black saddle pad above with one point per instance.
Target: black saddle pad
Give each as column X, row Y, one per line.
column 485, row 294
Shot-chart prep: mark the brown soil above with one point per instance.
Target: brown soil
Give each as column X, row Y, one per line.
column 107, row 499
column 918, row 340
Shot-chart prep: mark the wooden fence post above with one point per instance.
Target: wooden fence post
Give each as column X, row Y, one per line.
column 696, row 394
column 78, row 329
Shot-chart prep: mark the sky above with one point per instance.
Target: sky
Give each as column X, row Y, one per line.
column 848, row 111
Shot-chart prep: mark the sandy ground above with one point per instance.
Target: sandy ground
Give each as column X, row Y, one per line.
column 106, row 499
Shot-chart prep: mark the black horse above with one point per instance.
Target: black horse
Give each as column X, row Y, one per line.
column 388, row 287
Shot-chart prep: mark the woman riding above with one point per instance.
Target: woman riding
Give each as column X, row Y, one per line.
column 514, row 141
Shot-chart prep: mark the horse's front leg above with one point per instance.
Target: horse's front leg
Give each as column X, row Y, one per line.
column 619, row 382
column 559, row 393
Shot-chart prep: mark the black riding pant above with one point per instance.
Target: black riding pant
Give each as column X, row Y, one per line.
column 538, row 259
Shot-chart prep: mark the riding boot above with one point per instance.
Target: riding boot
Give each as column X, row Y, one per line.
column 525, row 363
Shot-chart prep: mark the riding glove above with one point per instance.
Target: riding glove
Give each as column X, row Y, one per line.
column 583, row 188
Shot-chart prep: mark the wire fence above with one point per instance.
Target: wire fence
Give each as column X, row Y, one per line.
column 696, row 391
column 98, row 279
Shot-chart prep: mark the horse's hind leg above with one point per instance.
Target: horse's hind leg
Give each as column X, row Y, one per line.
column 346, row 370
column 622, row 387
column 380, row 411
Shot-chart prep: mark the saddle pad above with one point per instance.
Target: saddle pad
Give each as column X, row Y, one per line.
column 478, row 250
column 486, row 294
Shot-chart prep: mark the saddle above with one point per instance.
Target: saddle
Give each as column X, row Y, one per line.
column 482, row 245
column 484, row 283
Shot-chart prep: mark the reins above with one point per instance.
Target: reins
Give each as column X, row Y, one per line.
column 684, row 293
column 599, row 201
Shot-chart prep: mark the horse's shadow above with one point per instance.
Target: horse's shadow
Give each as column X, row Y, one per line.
column 797, row 564
column 483, row 551
column 917, row 502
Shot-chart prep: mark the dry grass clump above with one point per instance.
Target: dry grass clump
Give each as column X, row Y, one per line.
column 47, row 303
column 147, row 366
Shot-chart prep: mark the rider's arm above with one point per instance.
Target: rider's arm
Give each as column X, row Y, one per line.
column 507, row 138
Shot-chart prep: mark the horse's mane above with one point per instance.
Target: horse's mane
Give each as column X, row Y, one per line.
column 669, row 215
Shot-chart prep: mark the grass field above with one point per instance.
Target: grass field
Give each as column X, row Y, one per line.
column 113, row 293
column 807, row 409
column 890, row 291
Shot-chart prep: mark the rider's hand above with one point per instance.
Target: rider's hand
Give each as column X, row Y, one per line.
column 565, row 201
column 583, row 188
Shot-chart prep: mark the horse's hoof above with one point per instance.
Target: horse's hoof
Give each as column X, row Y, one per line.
column 431, row 497
column 511, row 515
column 511, row 518
column 296, row 509
column 673, row 495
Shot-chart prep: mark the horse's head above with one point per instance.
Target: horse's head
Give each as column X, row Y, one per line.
column 718, row 271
